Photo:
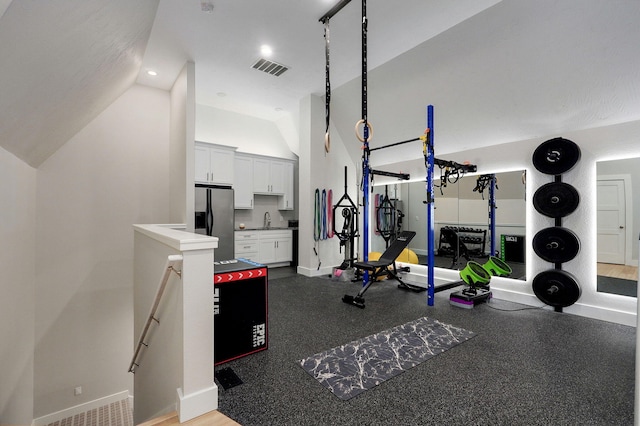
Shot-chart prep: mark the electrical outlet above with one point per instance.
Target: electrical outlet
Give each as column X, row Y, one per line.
column 77, row 391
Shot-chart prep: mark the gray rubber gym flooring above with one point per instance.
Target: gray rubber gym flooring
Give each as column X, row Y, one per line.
column 524, row 367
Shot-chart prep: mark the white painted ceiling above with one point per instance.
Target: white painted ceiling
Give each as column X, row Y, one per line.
column 225, row 43
column 498, row 70
column 62, row 63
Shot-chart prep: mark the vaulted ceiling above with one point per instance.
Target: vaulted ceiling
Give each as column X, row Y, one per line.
column 501, row 69
column 64, row 61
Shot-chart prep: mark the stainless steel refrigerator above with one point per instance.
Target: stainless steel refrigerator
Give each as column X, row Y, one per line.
column 215, row 217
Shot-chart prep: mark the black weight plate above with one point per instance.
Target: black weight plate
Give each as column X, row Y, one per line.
column 557, row 288
column 556, row 199
column 556, row 244
column 556, row 156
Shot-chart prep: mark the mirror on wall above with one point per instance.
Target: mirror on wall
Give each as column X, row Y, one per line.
column 618, row 227
column 461, row 218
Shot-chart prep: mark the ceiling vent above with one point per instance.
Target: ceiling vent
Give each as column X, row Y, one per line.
column 269, row 67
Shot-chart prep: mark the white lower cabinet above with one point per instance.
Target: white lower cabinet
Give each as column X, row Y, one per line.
column 267, row 247
column 246, row 245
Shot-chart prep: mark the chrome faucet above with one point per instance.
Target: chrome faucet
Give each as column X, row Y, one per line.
column 267, row 220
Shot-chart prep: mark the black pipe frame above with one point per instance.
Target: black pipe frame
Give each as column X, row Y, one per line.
column 394, row 144
column 402, row 176
column 335, row 9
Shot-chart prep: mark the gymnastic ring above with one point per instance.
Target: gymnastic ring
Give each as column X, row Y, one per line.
column 327, row 143
column 370, row 131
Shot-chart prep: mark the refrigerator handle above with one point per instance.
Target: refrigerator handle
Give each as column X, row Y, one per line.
column 209, row 214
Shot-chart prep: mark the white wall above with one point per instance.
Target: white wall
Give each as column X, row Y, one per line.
column 598, row 143
column 17, row 262
column 181, row 147
column 254, row 218
column 248, row 134
column 595, row 144
column 322, row 171
column 110, row 175
column 160, row 371
column 515, row 91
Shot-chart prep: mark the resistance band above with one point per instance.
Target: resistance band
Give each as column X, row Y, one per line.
column 317, row 227
column 324, row 215
column 329, row 213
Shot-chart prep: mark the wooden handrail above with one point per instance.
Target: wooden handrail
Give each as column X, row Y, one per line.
column 173, row 264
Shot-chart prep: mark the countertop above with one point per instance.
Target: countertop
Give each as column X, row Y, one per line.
column 271, row 228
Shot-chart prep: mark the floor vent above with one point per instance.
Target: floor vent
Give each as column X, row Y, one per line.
column 269, row 67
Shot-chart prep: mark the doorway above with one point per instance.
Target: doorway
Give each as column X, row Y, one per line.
column 611, row 221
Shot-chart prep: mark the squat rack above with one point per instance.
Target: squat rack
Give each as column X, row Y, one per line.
column 367, row 172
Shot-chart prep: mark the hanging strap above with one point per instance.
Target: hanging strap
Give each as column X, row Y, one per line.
column 327, row 94
column 377, row 210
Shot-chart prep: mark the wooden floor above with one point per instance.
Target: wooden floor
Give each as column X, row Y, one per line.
column 213, row 418
column 624, row 272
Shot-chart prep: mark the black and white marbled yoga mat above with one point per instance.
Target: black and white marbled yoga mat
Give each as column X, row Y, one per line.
column 355, row 367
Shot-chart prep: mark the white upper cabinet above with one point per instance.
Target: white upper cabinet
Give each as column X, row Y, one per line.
column 285, row 202
column 277, row 176
column 214, row 164
column 261, row 176
column 268, row 176
column 243, row 182
column 248, row 174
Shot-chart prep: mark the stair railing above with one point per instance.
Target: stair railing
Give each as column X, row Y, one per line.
column 173, row 264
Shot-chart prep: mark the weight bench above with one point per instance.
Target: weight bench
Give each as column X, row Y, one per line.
column 379, row 268
column 458, row 248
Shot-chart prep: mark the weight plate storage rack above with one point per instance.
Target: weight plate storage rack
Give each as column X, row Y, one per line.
column 556, row 244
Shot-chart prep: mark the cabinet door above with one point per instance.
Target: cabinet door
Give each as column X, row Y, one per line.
column 261, row 176
column 243, row 182
column 286, row 201
column 283, row 250
column 267, row 250
column 222, row 166
column 202, row 164
column 277, row 173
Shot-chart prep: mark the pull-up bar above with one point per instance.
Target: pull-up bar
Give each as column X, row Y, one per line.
column 394, row 144
column 402, row 176
column 335, row 9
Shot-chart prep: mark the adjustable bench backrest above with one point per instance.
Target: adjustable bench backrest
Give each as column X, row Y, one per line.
column 400, row 243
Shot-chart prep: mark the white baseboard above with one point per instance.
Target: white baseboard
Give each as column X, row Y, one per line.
column 314, row 272
column 197, row 403
column 278, row 264
column 81, row 408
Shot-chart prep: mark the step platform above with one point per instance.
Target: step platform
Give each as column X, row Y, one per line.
column 467, row 299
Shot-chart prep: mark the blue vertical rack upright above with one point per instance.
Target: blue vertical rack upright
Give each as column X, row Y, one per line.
column 365, row 151
column 430, row 157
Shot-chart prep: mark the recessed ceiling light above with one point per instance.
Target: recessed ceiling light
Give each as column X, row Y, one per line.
column 266, row 50
column 206, row 6
column 152, row 73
